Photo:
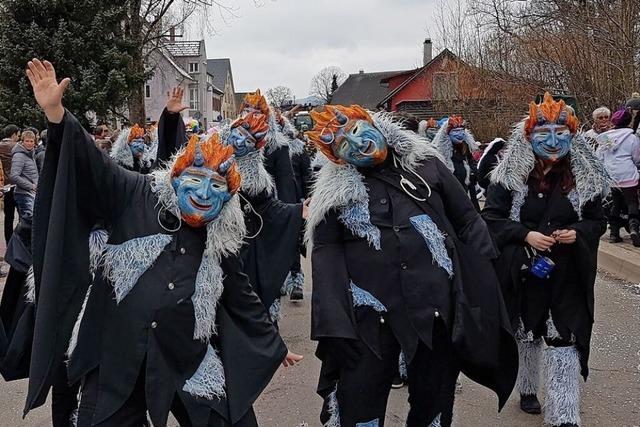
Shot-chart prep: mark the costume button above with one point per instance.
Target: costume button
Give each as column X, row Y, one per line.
column 396, row 228
column 540, row 195
column 154, row 325
column 437, row 313
column 171, row 286
column 183, row 251
column 381, row 320
column 383, row 201
column 403, row 266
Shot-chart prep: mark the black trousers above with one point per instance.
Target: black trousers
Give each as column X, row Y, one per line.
column 133, row 412
column 64, row 399
column 625, row 199
column 362, row 392
column 9, row 214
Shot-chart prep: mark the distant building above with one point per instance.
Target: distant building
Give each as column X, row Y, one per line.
column 444, row 85
column 191, row 56
column 239, row 96
column 222, row 80
column 167, row 74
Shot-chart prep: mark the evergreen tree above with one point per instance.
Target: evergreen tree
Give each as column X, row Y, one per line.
column 83, row 39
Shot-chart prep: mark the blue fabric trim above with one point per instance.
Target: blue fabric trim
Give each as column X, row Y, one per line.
column 518, row 197
column 362, row 298
column 372, row 423
column 574, row 198
column 208, row 381
column 435, row 241
column 357, row 219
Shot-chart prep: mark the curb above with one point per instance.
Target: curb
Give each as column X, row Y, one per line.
column 619, row 261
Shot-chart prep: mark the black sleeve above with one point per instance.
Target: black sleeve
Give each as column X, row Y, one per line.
column 496, row 213
column 331, row 306
column 103, row 187
column 593, row 223
column 306, row 175
column 283, row 176
column 485, row 167
column 171, row 136
column 466, row 221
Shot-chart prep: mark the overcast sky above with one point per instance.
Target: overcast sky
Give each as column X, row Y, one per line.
column 285, row 42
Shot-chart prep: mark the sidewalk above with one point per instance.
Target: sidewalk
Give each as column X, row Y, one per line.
column 620, row 259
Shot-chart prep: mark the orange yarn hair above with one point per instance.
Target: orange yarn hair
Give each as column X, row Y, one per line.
column 256, row 101
column 135, row 133
column 432, row 123
column 455, row 122
column 257, row 122
column 214, row 154
column 326, row 122
column 550, row 111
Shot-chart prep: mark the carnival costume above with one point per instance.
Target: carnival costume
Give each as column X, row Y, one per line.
column 167, row 321
column 273, row 226
column 428, row 129
column 132, row 152
column 549, row 295
column 301, row 165
column 391, row 231
column 456, row 145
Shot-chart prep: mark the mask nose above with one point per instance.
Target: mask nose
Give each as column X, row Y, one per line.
column 553, row 140
column 204, row 190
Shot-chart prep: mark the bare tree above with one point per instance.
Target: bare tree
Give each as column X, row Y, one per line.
column 279, row 95
column 324, row 83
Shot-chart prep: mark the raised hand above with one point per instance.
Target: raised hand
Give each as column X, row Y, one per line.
column 174, row 103
column 47, row 90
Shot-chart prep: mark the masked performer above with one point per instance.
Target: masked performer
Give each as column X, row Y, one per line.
column 276, row 149
column 301, row 164
column 428, row 129
column 168, row 318
column 273, row 227
column 456, row 144
column 132, row 152
column 545, row 196
column 394, row 237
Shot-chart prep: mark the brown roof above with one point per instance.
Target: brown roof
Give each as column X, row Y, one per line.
column 364, row 89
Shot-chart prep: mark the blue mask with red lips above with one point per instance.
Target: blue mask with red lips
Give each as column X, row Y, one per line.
column 137, row 147
column 551, row 141
column 457, row 135
column 201, row 192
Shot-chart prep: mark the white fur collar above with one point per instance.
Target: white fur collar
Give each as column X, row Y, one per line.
column 255, row 178
column 442, row 143
column 341, row 186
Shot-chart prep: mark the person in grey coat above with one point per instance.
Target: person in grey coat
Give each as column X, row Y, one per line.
column 24, row 174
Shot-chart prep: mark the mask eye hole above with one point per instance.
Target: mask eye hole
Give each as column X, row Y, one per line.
column 355, row 129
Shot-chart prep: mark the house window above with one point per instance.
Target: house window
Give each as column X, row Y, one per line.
column 445, row 86
column 194, row 67
column 194, row 97
column 147, row 91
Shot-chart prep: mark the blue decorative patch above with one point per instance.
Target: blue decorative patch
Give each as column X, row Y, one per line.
column 518, row 198
column 574, row 198
column 362, row 298
column 356, row 218
column 208, row 381
column 372, row 423
column 436, row 421
column 435, row 241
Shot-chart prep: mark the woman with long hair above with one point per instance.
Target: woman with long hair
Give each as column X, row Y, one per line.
column 545, row 213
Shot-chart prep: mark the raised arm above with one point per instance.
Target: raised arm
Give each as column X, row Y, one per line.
column 171, row 134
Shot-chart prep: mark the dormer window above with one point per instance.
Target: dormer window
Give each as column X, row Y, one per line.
column 194, row 67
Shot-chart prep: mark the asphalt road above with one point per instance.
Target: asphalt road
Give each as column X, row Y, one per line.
column 611, row 397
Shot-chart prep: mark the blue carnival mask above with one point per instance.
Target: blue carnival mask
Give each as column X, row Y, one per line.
column 201, row 192
column 457, row 135
column 248, row 133
column 362, row 145
column 430, row 133
column 137, row 147
column 242, row 141
column 551, row 141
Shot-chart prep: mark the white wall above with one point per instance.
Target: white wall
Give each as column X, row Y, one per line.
column 164, row 79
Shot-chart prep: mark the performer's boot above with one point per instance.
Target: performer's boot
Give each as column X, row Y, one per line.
column 614, row 234
column 528, row 381
column 634, row 230
column 297, row 286
column 562, row 383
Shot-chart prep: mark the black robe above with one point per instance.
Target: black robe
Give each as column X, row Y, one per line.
column 301, row 164
column 463, row 174
column 81, row 187
column 405, row 279
column 171, row 137
column 278, row 164
column 568, row 293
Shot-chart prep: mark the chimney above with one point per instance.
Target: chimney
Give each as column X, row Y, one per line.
column 172, row 34
column 427, row 51
column 361, row 71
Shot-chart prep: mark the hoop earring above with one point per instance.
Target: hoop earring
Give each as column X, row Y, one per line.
column 162, row 225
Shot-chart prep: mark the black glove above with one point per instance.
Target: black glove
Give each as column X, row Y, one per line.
column 345, row 352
